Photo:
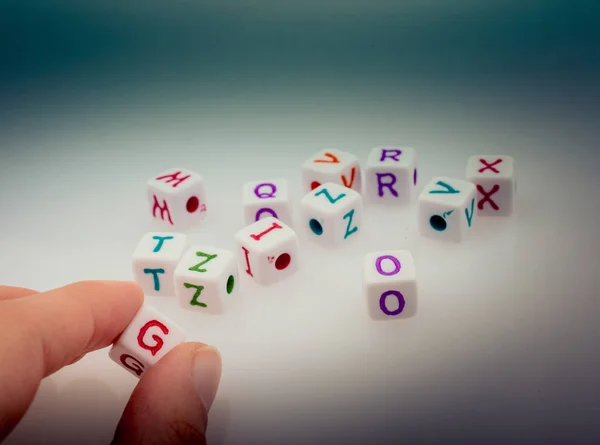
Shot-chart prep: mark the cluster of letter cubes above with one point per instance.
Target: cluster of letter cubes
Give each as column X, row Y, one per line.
column 202, row 277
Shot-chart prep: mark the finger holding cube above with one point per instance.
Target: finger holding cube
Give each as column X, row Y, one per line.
column 149, row 336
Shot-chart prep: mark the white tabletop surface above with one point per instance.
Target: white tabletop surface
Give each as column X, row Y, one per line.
column 505, row 340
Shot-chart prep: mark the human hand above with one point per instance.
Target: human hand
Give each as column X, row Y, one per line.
column 41, row 333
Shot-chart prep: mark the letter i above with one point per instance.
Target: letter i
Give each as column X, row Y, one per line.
column 247, row 256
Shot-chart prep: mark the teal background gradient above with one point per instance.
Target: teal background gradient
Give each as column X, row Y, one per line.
column 95, row 96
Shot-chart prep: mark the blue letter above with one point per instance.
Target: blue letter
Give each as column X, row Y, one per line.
column 349, row 231
column 329, row 197
column 470, row 217
column 161, row 240
column 155, row 273
column 448, row 187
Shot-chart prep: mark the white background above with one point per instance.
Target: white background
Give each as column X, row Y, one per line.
column 506, row 320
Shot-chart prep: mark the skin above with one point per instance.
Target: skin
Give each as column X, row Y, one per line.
column 43, row 332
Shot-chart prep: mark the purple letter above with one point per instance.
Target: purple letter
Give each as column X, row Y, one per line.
column 381, row 185
column 394, row 156
column 380, row 270
column 383, row 306
column 265, row 210
column 271, row 194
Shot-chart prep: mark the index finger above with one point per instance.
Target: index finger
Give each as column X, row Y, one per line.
column 44, row 332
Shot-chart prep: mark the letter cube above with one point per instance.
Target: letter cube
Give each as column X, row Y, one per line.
column 332, row 214
column 267, row 250
column 204, row 277
column 390, row 285
column 494, row 178
column 177, row 198
column 447, row 209
column 262, row 199
column 155, row 259
column 334, row 166
column 391, row 175
column 147, row 339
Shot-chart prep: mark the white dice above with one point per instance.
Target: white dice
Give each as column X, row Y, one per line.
column 262, row 199
column 267, row 250
column 204, row 277
column 155, row 259
column 147, row 339
column 177, row 199
column 447, row 209
column 391, row 175
column 334, row 166
column 390, row 285
column 494, row 178
column 332, row 214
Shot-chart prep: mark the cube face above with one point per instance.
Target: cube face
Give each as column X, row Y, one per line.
column 447, row 209
column 155, row 259
column 391, row 175
column 390, row 285
column 177, row 198
column 204, row 277
column 269, row 198
column 494, row 179
column 332, row 214
column 335, row 166
column 267, row 250
column 147, row 339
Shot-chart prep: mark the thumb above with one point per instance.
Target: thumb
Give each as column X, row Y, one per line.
column 170, row 403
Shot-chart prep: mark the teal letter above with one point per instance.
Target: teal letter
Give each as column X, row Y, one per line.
column 155, row 273
column 470, row 217
column 161, row 240
column 448, row 187
column 349, row 231
column 331, row 199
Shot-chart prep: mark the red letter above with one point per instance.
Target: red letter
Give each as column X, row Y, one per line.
column 159, row 341
column 349, row 183
column 164, row 209
column 248, row 271
column 135, row 365
column 173, row 177
column 260, row 235
column 332, row 159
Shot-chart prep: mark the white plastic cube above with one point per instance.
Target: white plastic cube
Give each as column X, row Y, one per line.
column 447, row 209
column 267, row 250
column 147, row 339
column 332, row 214
column 155, row 259
column 204, row 277
column 391, row 175
column 334, row 166
column 494, row 178
column 390, row 285
column 270, row 198
column 177, row 199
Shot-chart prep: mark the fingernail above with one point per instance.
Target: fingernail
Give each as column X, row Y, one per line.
column 207, row 374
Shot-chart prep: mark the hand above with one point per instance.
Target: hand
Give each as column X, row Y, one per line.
column 42, row 332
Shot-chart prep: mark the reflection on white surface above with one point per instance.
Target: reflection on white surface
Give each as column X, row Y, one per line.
column 502, row 317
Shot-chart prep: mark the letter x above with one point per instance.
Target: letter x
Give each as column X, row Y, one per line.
column 489, row 166
column 487, row 197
